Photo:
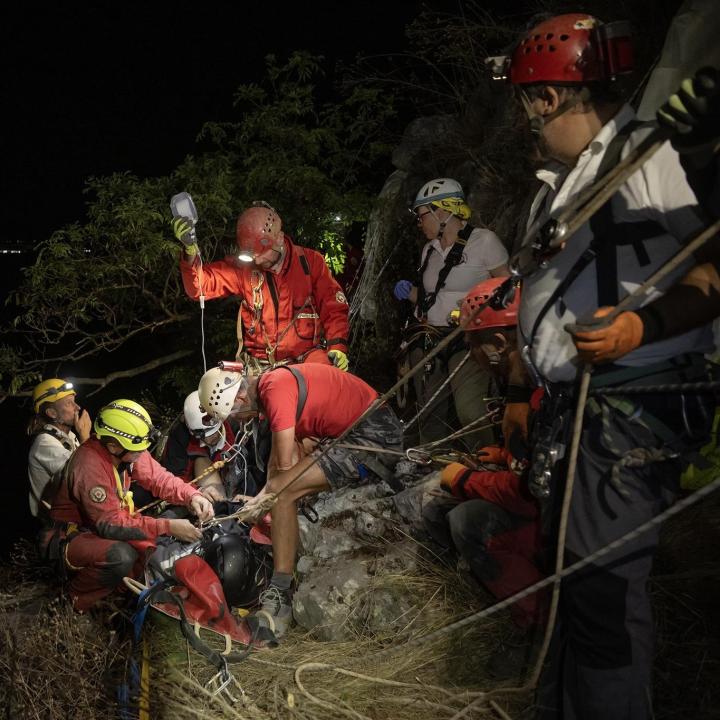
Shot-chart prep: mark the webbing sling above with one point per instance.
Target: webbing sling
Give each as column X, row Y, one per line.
column 607, row 235
column 53, row 432
column 367, row 458
column 453, row 258
column 302, row 388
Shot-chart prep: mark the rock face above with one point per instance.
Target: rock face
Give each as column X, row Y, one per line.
column 354, row 557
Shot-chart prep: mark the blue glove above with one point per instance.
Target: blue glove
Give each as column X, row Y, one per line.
column 402, row 289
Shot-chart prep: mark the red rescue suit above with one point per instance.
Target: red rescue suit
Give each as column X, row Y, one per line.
column 195, row 449
column 111, row 539
column 504, row 520
column 283, row 315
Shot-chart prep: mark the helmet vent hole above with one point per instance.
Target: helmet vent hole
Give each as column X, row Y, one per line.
column 536, row 38
column 549, row 36
column 564, row 37
column 551, row 48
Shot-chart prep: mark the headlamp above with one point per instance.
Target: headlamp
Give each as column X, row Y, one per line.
column 65, row 387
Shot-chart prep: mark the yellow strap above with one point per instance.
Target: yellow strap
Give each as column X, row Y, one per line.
column 126, row 496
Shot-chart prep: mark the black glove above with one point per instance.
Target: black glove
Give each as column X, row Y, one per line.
column 693, row 112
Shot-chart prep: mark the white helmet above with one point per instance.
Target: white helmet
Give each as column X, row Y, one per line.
column 194, row 416
column 438, row 189
column 217, row 391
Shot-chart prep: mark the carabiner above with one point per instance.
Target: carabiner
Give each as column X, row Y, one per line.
column 424, row 459
column 221, row 681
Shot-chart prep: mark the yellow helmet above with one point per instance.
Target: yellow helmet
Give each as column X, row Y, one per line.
column 126, row 422
column 50, row 391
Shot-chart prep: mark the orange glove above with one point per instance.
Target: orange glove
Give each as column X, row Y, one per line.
column 493, row 454
column 611, row 342
column 515, row 419
column 450, row 474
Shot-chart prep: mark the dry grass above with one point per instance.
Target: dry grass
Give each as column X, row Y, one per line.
column 54, row 664
column 304, row 678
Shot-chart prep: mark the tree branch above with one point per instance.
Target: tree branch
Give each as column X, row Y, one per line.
column 105, row 381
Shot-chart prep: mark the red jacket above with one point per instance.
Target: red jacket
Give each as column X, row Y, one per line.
column 293, row 309
column 90, row 497
column 503, row 488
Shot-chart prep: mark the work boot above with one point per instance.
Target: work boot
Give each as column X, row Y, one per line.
column 273, row 618
column 513, row 656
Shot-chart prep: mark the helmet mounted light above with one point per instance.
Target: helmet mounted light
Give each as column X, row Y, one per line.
column 570, row 49
column 51, row 392
column 127, row 423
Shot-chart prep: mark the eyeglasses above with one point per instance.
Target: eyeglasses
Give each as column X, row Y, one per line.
column 65, row 387
column 420, row 216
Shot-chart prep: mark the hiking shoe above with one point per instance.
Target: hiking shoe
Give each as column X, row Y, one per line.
column 274, row 615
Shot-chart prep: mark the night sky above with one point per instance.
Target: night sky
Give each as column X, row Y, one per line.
column 99, row 87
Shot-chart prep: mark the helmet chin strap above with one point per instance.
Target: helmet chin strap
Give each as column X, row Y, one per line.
column 538, row 122
column 441, row 225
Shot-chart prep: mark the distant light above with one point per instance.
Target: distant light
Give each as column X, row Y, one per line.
column 338, row 218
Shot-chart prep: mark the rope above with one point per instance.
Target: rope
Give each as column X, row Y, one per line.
column 316, row 667
column 267, row 501
column 217, row 465
column 585, row 205
column 466, row 357
column 695, row 387
column 562, row 530
column 678, row 507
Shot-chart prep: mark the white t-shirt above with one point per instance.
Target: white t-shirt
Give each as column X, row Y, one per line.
column 482, row 253
column 47, row 455
column 658, row 191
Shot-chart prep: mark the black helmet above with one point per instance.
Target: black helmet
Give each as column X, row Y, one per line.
column 243, row 570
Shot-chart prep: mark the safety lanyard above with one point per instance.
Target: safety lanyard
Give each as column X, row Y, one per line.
column 125, row 495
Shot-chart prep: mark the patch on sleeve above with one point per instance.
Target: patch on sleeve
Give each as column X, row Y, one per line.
column 340, row 297
column 98, row 494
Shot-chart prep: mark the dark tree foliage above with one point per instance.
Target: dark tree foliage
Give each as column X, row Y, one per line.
column 317, row 142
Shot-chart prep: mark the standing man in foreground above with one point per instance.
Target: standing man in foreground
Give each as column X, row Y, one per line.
column 291, row 308
column 303, row 402
column 631, row 446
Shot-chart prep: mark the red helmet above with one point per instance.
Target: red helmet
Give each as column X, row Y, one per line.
column 258, row 229
column 489, row 317
column 572, row 49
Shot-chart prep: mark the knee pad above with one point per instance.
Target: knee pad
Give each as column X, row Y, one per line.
column 120, row 559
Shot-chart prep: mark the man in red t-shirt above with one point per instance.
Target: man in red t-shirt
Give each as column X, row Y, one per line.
column 304, row 404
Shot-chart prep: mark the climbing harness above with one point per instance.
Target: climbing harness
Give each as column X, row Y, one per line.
column 229, row 455
column 425, row 300
column 449, row 378
column 542, row 241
